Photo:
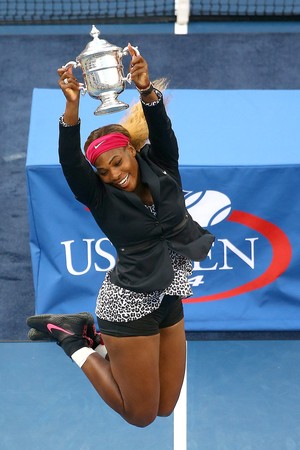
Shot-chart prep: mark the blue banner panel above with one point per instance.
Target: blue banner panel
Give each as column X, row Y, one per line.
column 250, row 279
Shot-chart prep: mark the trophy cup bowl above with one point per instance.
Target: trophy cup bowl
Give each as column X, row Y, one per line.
column 102, row 69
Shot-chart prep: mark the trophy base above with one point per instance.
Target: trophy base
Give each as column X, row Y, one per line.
column 110, row 104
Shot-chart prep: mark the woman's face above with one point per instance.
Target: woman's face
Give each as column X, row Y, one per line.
column 119, row 167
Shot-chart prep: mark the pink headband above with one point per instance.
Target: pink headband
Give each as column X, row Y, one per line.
column 105, row 143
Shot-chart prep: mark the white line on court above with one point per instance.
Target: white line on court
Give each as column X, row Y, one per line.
column 180, row 418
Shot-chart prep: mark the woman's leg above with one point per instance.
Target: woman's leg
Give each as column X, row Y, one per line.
column 144, row 375
column 130, row 382
column 172, row 361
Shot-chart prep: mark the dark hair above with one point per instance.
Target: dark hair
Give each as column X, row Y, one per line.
column 106, row 129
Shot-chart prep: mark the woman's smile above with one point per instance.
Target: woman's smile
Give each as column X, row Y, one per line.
column 119, row 167
column 124, row 182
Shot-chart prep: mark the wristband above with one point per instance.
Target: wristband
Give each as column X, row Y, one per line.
column 147, row 90
column 156, row 102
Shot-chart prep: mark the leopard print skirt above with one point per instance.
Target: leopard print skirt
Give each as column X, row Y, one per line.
column 118, row 304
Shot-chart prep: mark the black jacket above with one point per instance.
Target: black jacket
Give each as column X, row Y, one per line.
column 141, row 239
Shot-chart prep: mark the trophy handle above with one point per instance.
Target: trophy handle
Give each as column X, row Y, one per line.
column 124, row 53
column 76, row 64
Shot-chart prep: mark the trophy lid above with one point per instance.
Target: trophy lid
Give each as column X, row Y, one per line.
column 97, row 45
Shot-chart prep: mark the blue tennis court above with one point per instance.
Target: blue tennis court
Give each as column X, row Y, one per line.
column 240, row 395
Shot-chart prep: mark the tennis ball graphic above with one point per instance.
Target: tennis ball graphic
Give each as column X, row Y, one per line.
column 207, row 207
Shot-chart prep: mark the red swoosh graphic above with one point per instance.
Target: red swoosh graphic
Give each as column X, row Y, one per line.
column 282, row 254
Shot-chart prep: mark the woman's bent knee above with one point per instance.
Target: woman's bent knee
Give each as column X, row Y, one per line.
column 165, row 412
column 140, row 421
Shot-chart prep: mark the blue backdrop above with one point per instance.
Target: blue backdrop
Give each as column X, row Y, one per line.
column 240, row 170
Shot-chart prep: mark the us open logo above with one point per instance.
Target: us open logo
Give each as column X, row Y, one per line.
column 213, row 209
column 249, row 252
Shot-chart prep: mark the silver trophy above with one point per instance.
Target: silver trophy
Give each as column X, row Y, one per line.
column 101, row 64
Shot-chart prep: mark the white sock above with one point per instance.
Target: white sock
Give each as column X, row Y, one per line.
column 81, row 355
column 101, row 349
